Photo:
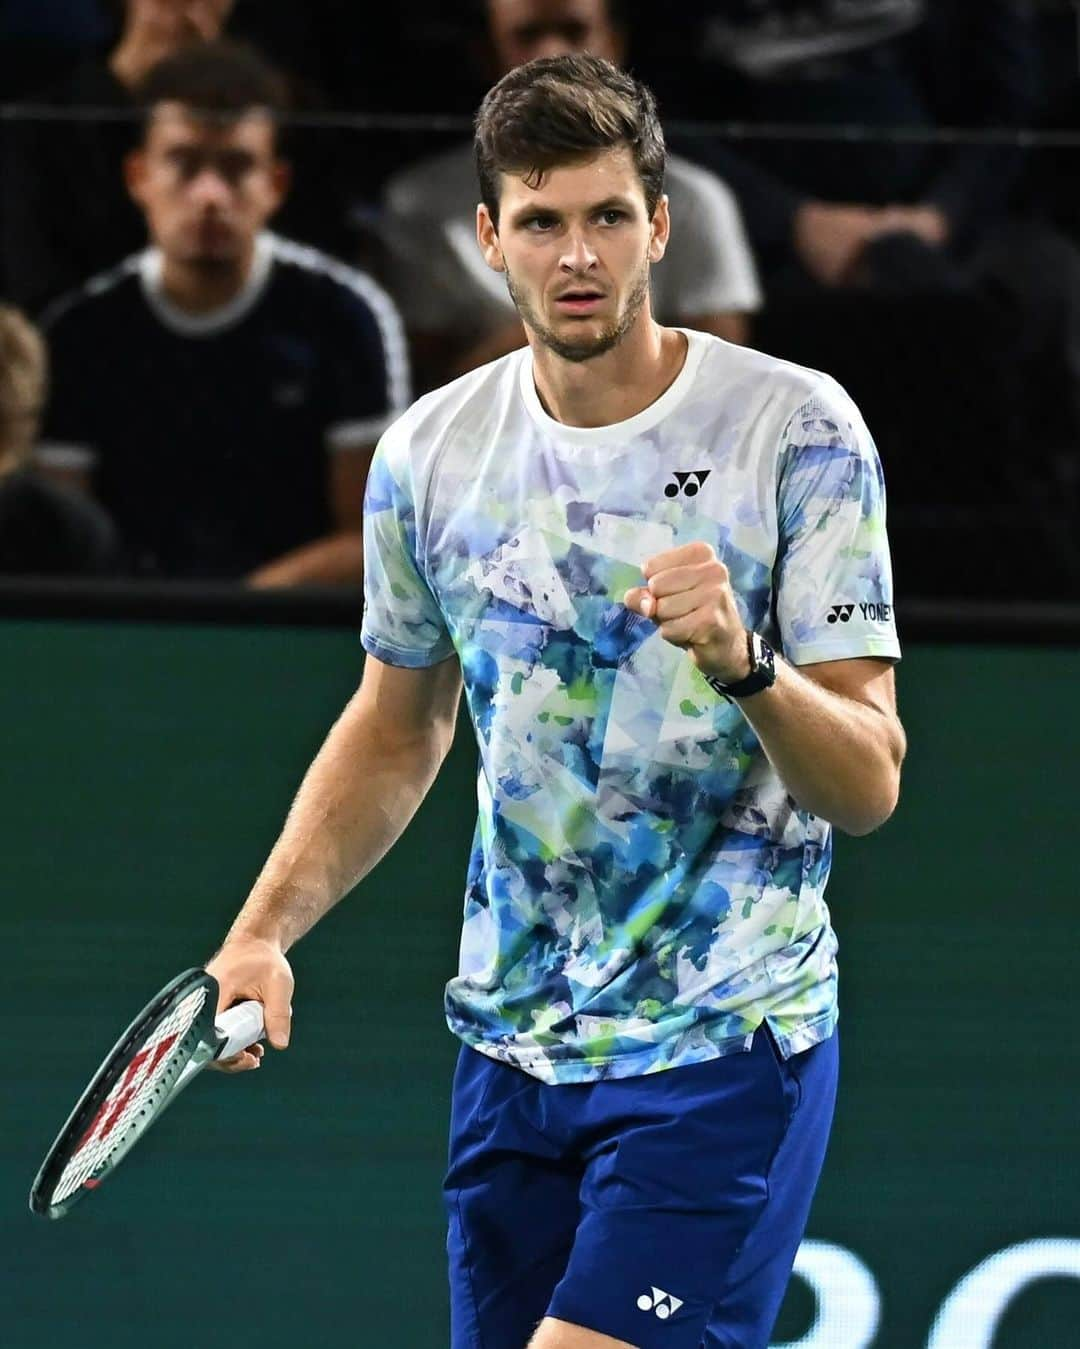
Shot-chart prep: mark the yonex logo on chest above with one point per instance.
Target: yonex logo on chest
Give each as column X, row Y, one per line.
column 687, row 484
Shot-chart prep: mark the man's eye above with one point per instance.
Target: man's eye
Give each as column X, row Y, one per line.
column 612, row 216
column 540, row 223
column 183, row 163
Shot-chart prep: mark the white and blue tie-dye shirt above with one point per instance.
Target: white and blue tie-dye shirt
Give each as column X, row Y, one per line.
column 642, row 891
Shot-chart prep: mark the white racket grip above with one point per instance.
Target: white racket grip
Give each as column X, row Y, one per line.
column 241, row 1026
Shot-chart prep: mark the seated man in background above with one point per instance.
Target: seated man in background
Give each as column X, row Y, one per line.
column 64, row 213
column 458, row 312
column 854, row 211
column 45, row 529
column 221, row 392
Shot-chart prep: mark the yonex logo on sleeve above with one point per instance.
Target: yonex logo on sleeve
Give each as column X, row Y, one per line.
column 663, row 1304
column 870, row 613
column 689, row 484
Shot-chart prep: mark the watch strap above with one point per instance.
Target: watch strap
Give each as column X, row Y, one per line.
column 762, row 671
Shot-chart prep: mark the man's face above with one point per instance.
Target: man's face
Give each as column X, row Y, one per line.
column 522, row 30
column 206, row 188
column 176, row 23
column 576, row 250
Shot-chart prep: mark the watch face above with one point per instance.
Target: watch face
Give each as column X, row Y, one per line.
column 763, row 656
column 763, row 673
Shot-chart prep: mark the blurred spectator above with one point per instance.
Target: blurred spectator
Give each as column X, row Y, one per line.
column 45, row 529
column 899, row 263
column 818, row 206
column 221, row 392
column 458, row 311
column 64, row 213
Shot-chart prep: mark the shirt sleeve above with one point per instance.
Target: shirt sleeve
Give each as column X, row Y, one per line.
column 369, row 367
column 403, row 624
column 834, row 596
column 709, row 268
column 436, row 270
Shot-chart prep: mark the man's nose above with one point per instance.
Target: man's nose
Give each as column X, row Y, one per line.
column 578, row 253
column 209, row 188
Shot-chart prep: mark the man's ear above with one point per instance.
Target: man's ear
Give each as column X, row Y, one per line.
column 281, row 178
column 660, row 230
column 135, row 175
column 487, row 236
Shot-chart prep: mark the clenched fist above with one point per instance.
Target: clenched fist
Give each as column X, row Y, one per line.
column 688, row 596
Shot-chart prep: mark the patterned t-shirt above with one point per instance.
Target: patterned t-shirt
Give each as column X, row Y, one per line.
column 642, row 890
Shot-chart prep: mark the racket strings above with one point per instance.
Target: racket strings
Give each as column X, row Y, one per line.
column 141, row 1089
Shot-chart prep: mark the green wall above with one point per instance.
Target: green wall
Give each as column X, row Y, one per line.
column 144, row 773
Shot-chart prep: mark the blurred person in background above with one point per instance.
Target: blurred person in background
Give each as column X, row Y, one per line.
column 459, row 313
column 64, row 212
column 815, row 207
column 905, row 264
column 221, row 391
column 45, row 529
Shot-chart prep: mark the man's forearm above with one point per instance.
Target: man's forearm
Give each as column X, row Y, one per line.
column 839, row 758
column 335, row 559
column 354, row 803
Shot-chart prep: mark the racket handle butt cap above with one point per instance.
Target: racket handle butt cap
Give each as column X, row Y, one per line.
column 239, row 1027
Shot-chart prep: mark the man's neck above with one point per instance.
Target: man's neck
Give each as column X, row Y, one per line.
column 615, row 386
column 200, row 290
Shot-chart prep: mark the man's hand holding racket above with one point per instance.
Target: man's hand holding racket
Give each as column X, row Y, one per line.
column 253, row 968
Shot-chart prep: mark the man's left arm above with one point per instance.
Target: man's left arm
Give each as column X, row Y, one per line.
column 830, row 729
column 366, row 387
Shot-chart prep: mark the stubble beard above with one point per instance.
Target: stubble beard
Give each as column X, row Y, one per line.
column 585, row 349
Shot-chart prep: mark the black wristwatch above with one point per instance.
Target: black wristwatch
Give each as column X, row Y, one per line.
column 762, row 671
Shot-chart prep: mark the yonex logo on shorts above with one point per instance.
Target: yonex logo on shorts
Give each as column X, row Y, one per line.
column 840, row 613
column 689, row 484
column 663, row 1304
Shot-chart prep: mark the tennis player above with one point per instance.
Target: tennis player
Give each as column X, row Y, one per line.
column 657, row 563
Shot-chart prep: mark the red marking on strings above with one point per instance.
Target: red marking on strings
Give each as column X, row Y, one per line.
column 112, row 1108
column 91, row 1184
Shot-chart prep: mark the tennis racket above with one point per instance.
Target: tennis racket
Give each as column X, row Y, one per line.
column 171, row 1040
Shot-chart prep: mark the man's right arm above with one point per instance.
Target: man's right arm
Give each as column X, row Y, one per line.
column 362, row 789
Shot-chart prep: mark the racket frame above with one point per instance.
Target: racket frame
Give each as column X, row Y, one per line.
column 196, row 1047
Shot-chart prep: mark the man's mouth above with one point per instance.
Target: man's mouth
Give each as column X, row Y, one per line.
column 580, row 300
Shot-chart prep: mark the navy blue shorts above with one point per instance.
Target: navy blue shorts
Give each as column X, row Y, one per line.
column 663, row 1210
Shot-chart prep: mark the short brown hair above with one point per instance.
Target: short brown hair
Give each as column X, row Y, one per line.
column 560, row 109
column 220, row 80
column 23, row 371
